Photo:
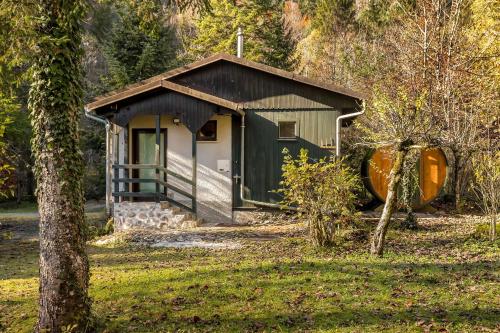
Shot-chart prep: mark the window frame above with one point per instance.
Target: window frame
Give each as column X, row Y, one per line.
column 295, row 130
column 135, row 156
column 198, row 139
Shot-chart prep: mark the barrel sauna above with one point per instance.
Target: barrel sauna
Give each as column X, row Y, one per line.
column 431, row 169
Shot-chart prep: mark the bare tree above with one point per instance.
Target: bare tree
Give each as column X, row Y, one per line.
column 462, row 69
column 486, row 184
column 415, row 90
column 399, row 123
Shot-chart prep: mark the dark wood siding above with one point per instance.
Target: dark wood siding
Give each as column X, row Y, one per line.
column 260, row 90
column 193, row 112
column 268, row 99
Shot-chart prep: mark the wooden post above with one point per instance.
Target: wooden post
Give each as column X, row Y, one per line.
column 126, row 172
column 109, row 162
column 116, row 160
column 157, row 157
column 193, row 154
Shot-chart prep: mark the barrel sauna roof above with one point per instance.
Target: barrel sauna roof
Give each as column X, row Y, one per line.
column 153, row 83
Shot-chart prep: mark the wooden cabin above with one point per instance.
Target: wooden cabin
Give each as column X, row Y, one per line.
column 207, row 138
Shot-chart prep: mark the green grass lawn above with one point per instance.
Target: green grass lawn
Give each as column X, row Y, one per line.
column 22, row 207
column 437, row 279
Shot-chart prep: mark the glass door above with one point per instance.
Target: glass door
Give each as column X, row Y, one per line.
column 144, row 145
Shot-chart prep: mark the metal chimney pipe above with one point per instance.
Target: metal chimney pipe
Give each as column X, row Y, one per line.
column 239, row 50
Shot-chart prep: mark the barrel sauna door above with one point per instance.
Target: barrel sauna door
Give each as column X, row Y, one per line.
column 432, row 174
column 379, row 168
column 431, row 169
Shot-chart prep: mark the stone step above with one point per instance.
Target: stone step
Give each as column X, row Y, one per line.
column 165, row 204
column 149, row 215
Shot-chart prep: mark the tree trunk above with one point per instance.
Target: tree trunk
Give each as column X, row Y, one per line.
column 377, row 245
column 55, row 108
column 63, row 263
column 457, row 192
column 493, row 227
column 19, row 184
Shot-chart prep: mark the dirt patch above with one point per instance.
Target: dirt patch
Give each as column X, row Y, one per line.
column 227, row 237
column 199, row 244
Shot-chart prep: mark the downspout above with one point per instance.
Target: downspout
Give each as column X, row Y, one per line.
column 339, row 126
column 242, row 158
column 239, row 54
column 108, row 164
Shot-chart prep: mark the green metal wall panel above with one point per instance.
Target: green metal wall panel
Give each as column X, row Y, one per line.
column 263, row 149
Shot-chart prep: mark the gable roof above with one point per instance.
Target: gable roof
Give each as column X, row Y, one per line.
column 156, row 81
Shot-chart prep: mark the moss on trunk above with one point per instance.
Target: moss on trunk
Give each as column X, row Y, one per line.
column 378, row 238
column 55, row 107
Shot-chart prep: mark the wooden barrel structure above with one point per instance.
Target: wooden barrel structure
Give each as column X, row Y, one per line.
column 431, row 171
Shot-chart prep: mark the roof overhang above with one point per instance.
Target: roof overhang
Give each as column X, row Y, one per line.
column 162, row 81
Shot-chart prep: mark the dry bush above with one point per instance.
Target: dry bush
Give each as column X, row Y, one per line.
column 324, row 192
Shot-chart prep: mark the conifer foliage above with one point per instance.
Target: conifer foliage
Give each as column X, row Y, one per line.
column 140, row 43
column 267, row 37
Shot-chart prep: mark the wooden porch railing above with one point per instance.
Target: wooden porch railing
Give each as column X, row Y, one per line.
column 157, row 195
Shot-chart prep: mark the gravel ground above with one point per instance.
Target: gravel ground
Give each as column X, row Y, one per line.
column 230, row 237
column 235, row 236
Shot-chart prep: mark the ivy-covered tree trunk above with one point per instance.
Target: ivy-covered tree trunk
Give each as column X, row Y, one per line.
column 408, row 183
column 378, row 240
column 55, row 103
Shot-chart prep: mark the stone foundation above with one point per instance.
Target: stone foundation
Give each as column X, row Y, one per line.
column 150, row 215
column 258, row 217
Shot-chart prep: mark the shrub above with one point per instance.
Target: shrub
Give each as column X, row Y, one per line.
column 483, row 231
column 486, row 184
column 323, row 191
column 98, row 228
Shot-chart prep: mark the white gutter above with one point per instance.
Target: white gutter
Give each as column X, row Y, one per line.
column 339, row 126
column 108, row 164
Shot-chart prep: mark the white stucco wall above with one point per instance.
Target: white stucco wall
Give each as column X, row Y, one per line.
column 214, row 187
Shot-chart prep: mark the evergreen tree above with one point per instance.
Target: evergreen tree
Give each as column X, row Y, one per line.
column 267, row 38
column 6, row 107
column 333, row 30
column 335, row 17
column 15, row 131
column 140, row 44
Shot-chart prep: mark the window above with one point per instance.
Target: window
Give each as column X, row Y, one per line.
column 208, row 132
column 287, row 130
